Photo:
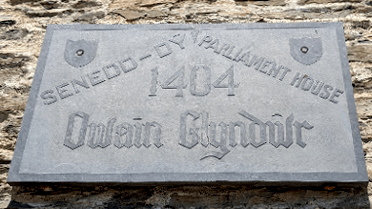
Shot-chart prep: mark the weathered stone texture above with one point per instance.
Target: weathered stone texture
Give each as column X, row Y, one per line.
column 302, row 2
column 22, row 28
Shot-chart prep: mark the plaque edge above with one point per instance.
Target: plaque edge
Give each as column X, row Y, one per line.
column 357, row 139
column 21, row 142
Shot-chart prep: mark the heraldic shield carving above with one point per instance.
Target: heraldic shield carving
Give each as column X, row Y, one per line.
column 80, row 53
column 306, row 51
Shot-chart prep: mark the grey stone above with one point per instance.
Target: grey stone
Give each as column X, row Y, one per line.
column 163, row 104
column 14, row 34
column 261, row 3
column 155, row 13
column 45, row 13
column 150, row 3
column 90, row 17
column 85, row 4
column 360, row 53
column 302, row 2
column 130, row 15
column 7, row 23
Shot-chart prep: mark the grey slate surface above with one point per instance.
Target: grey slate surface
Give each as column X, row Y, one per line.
column 145, row 104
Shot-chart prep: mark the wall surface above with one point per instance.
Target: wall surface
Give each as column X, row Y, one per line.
column 22, row 29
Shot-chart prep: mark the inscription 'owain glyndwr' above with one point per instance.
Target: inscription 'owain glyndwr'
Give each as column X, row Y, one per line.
column 127, row 135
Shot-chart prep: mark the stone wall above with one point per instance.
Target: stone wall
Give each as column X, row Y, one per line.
column 22, row 28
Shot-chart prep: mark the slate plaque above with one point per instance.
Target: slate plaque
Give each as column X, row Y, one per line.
column 146, row 104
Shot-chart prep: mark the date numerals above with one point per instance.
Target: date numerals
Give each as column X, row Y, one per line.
column 200, row 81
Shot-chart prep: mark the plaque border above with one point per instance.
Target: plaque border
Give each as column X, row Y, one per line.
column 359, row 178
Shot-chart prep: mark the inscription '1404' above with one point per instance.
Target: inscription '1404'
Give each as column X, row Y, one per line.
column 198, row 87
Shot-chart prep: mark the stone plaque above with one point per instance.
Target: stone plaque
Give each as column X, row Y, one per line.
column 145, row 104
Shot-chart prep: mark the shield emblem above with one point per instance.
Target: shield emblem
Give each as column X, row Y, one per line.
column 306, row 51
column 80, row 53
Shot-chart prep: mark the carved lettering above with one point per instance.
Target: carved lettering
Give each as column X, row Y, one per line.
column 48, row 95
column 156, row 134
column 101, row 135
column 224, row 47
column 297, row 79
column 163, row 49
column 205, row 39
column 268, row 67
column 154, row 81
column 307, row 83
column 280, row 132
column 228, row 53
column 272, row 140
column 124, row 129
column 274, row 70
column 69, row 142
column 200, row 84
column 179, row 75
column 192, row 132
column 178, row 39
column 194, row 35
column 317, row 87
column 256, row 62
column 243, row 133
column 128, row 64
column 112, row 71
column 200, row 81
column 145, row 57
column 96, row 135
column 286, row 70
column 82, row 83
column 209, row 135
column 218, row 144
column 336, row 93
column 230, row 82
column 237, row 55
column 244, row 57
column 288, row 131
column 63, row 92
column 205, row 88
column 110, row 129
column 265, row 65
column 204, row 129
column 95, row 77
column 298, row 132
column 325, row 94
column 137, row 135
column 252, row 129
column 213, row 45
